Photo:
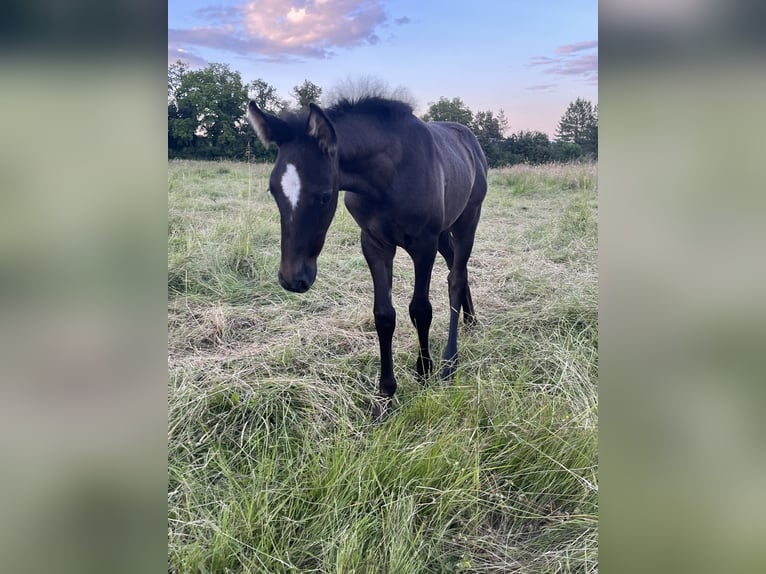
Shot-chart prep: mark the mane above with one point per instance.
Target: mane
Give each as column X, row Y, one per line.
column 375, row 107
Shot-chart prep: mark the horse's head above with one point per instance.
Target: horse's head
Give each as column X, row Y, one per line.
column 304, row 183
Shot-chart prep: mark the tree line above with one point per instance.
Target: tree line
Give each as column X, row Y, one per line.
column 206, row 120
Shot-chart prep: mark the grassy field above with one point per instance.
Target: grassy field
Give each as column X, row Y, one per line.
column 274, row 464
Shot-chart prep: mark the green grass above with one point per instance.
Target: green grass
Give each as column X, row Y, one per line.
column 274, row 464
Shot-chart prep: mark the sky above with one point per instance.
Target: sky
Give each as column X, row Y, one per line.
column 528, row 58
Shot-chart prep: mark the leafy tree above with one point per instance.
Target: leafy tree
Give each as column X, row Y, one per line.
column 530, row 147
column 445, row 110
column 175, row 73
column 489, row 127
column 180, row 128
column 566, row 151
column 208, row 116
column 265, row 96
column 307, row 93
column 489, row 131
column 579, row 125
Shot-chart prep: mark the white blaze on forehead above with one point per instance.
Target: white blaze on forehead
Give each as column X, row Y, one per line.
column 291, row 185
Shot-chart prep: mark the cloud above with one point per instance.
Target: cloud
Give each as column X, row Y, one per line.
column 540, row 60
column 570, row 62
column 219, row 14
column 176, row 53
column 541, row 87
column 402, row 20
column 569, row 48
column 585, row 66
column 278, row 30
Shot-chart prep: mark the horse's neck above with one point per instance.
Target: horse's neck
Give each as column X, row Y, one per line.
column 367, row 157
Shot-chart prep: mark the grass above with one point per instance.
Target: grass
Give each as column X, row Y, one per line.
column 274, row 464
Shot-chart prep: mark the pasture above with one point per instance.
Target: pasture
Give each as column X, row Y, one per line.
column 274, row 463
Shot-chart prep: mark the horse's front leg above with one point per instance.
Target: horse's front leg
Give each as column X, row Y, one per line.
column 421, row 313
column 380, row 259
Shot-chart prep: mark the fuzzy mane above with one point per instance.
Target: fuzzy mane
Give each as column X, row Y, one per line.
column 383, row 109
column 374, row 107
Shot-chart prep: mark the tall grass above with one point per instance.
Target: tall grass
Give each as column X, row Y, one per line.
column 274, row 464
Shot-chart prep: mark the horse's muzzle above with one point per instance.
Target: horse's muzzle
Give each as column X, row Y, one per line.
column 300, row 279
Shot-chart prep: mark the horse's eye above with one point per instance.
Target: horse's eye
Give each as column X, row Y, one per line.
column 325, row 198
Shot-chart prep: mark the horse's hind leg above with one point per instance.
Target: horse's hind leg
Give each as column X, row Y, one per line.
column 445, row 248
column 461, row 241
column 469, row 314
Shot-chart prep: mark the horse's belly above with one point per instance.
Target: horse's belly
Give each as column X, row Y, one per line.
column 391, row 224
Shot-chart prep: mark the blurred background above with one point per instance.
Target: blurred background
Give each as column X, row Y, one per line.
column 682, row 278
column 83, row 286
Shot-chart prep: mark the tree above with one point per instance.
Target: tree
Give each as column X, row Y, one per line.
column 445, row 110
column 489, row 130
column 488, row 127
column 503, row 122
column 579, row 125
column 180, row 129
column 530, row 147
column 265, row 96
column 175, row 73
column 593, row 134
column 207, row 118
column 307, row 93
column 566, row 151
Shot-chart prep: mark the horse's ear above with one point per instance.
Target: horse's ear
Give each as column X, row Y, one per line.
column 320, row 128
column 269, row 128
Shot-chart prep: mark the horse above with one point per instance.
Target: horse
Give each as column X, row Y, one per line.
column 408, row 183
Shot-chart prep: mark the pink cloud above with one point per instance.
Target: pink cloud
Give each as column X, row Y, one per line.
column 569, row 48
column 584, row 65
column 318, row 23
column 541, row 87
column 568, row 63
column 283, row 30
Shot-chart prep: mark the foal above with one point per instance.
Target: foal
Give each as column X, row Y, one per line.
column 408, row 184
